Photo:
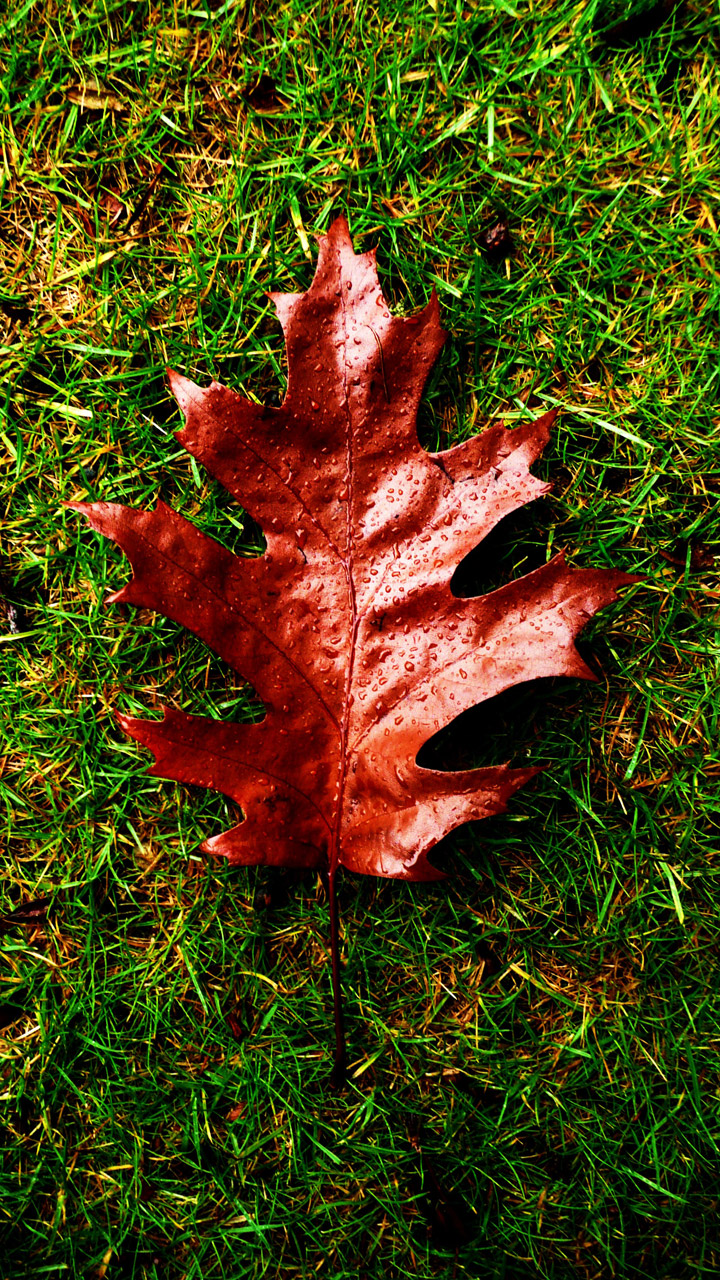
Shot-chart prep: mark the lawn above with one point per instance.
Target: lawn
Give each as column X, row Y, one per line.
column 534, row 1082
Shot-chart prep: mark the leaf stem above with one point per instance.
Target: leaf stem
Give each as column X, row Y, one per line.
column 340, row 1064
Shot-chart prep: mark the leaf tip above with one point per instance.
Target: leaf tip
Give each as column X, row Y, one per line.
column 338, row 232
column 221, row 847
column 184, row 390
column 543, row 425
column 420, row 870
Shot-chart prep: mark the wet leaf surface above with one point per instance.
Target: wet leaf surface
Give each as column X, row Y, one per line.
column 347, row 626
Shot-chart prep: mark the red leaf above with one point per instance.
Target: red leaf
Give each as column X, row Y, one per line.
column 346, row 626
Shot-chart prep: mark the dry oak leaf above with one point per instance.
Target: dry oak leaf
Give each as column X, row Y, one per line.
column 346, row 626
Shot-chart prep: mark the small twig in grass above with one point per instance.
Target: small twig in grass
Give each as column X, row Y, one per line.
column 142, row 203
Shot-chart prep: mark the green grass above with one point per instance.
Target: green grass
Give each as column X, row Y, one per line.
column 541, row 1033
